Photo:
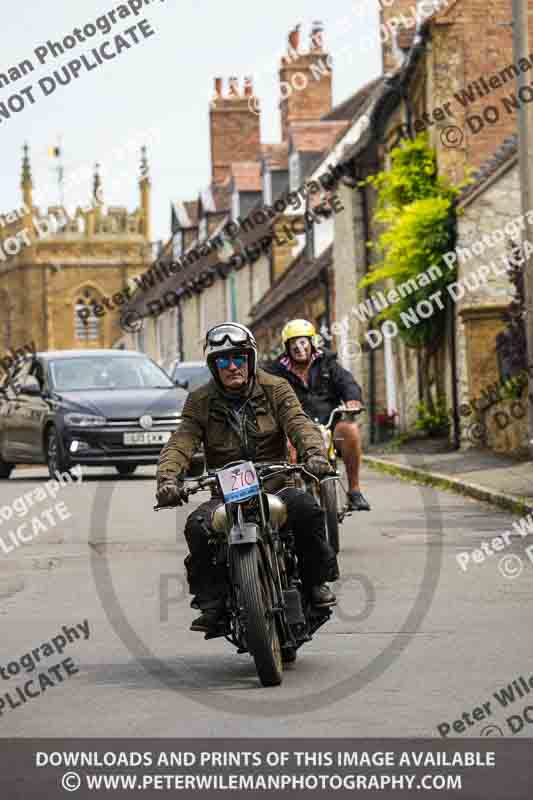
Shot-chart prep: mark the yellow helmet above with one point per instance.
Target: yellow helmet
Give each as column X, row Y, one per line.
column 296, row 328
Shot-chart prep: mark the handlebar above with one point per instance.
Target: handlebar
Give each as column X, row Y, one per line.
column 264, row 471
column 343, row 410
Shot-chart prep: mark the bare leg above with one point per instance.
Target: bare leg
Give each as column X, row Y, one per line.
column 348, row 440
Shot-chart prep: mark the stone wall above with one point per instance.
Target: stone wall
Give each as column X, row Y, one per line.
column 480, row 308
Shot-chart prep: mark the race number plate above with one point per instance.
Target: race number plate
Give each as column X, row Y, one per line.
column 239, row 482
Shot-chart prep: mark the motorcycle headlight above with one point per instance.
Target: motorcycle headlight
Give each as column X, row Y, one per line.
column 219, row 520
column 84, row 420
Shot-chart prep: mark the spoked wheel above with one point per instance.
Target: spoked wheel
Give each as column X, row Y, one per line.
column 261, row 630
column 329, row 502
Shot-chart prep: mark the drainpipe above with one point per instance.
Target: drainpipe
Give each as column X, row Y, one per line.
column 180, row 330
column 372, row 355
column 324, row 279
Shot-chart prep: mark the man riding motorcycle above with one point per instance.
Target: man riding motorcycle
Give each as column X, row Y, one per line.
column 244, row 413
column 321, row 385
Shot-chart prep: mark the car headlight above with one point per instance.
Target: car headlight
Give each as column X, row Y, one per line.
column 84, row 420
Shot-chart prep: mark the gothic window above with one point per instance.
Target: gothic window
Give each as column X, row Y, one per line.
column 86, row 325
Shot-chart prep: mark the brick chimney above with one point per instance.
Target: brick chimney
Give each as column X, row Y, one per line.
column 396, row 31
column 235, row 126
column 305, row 80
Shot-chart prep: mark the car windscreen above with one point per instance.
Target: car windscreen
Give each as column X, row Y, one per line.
column 106, row 372
column 196, row 376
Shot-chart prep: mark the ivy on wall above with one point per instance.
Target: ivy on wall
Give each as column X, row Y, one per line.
column 415, row 206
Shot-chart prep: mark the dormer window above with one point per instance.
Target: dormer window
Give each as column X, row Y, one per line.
column 267, row 187
column 202, row 228
column 294, row 171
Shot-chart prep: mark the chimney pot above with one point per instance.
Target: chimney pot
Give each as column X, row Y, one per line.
column 248, row 86
column 317, row 38
column 218, row 87
column 234, row 87
column 294, row 38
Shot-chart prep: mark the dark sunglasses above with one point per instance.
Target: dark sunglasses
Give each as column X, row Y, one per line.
column 223, row 362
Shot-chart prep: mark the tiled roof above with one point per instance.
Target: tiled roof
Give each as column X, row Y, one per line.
column 298, row 275
column 507, row 151
column 246, row 176
column 276, row 155
column 315, row 137
column 349, row 108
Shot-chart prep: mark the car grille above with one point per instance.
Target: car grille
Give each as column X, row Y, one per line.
column 158, row 423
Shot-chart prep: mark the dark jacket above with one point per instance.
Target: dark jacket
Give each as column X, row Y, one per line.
column 329, row 385
column 259, row 432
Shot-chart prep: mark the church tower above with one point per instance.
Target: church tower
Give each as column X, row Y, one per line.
column 64, row 274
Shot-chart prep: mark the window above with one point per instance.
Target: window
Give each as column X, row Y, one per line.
column 294, row 171
column 231, row 297
column 267, row 187
column 202, row 231
column 87, row 326
column 235, row 205
column 177, row 245
column 5, row 322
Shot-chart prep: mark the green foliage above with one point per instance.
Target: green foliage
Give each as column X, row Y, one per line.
column 513, row 388
column 416, row 206
column 436, row 423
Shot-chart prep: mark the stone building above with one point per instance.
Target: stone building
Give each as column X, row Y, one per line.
column 251, row 180
column 444, row 76
column 67, row 265
column 489, row 221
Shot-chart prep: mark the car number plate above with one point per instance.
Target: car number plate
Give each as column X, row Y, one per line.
column 153, row 437
column 239, row 482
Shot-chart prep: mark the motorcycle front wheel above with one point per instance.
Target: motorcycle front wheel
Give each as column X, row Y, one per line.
column 255, row 597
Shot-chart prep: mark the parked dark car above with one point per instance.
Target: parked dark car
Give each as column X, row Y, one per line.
column 189, row 374
column 90, row 407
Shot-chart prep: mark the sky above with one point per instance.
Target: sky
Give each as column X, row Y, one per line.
column 156, row 91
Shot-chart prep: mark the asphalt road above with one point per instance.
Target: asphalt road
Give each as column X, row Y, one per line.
column 414, row 642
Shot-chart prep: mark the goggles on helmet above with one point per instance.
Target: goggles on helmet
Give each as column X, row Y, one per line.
column 233, row 334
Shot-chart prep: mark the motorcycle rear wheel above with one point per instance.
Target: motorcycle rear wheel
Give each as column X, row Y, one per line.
column 261, row 629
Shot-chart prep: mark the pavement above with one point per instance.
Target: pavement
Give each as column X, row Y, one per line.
column 414, row 642
column 501, row 480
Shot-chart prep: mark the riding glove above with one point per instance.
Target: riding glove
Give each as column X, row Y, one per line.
column 170, row 492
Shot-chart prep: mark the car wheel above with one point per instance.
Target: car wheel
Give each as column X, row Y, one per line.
column 125, row 469
column 5, row 469
column 54, row 459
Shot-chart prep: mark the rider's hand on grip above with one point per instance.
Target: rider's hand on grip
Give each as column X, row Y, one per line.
column 170, row 493
column 318, row 466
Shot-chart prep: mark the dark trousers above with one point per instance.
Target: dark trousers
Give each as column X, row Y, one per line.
column 318, row 563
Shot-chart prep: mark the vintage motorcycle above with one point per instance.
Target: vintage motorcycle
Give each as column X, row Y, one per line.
column 330, row 492
column 267, row 613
